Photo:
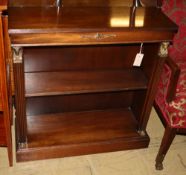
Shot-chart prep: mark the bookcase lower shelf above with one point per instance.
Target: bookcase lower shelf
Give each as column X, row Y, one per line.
column 78, row 133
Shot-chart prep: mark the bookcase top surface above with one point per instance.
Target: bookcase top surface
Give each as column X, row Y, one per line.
column 89, row 19
column 75, row 3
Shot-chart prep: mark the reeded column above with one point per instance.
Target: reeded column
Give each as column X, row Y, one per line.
column 20, row 96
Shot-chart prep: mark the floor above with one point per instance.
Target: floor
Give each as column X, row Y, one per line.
column 135, row 162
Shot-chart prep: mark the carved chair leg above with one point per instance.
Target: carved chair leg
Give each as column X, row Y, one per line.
column 168, row 137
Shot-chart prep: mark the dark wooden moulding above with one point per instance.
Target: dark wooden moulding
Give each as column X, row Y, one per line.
column 77, row 91
column 5, row 95
column 2, row 131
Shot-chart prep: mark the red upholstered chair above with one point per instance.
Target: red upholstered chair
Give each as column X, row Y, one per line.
column 170, row 102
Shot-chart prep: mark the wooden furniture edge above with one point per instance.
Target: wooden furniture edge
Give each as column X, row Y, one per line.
column 60, row 39
column 4, row 90
column 175, row 72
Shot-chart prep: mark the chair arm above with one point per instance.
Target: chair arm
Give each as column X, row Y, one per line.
column 175, row 73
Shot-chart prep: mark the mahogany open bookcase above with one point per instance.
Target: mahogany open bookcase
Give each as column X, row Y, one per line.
column 77, row 90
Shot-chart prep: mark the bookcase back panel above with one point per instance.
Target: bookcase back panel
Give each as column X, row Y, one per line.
column 79, row 57
column 78, row 102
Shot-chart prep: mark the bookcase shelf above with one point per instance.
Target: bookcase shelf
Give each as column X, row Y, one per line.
column 70, row 132
column 78, row 82
column 80, row 127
